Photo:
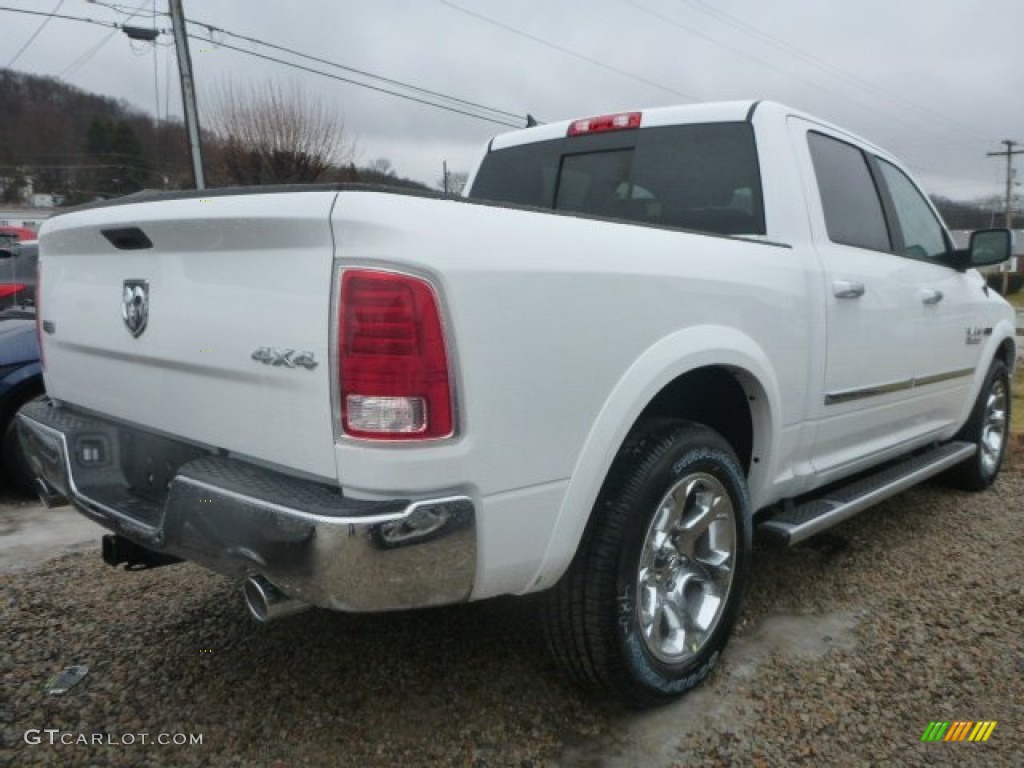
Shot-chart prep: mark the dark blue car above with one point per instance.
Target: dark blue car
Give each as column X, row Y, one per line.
column 21, row 380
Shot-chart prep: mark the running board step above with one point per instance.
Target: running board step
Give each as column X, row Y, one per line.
column 797, row 522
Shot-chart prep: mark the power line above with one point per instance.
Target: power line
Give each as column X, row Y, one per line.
column 363, row 73
column 117, row 8
column 40, row 28
column 921, row 170
column 87, row 55
column 379, row 89
column 768, row 65
column 496, row 116
column 82, row 59
column 65, row 17
column 566, row 51
column 432, row 98
column 902, row 101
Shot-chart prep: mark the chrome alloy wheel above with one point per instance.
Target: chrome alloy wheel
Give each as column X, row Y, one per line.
column 993, row 428
column 686, row 568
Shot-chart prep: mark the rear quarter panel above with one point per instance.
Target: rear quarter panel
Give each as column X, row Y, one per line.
column 550, row 317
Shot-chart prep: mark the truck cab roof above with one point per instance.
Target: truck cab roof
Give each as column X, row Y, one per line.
column 684, row 114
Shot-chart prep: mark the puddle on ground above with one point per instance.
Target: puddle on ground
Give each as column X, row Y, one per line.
column 651, row 738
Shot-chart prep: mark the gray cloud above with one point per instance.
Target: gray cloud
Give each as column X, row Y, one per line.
column 931, row 82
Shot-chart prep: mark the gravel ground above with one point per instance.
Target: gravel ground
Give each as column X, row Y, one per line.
column 922, row 596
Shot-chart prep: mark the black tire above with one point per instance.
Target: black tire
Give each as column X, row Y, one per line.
column 989, row 429
column 14, row 466
column 613, row 621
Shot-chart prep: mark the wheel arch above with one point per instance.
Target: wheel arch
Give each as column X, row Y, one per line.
column 727, row 385
column 1003, row 347
column 1007, row 352
column 719, row 397
column 19, row 387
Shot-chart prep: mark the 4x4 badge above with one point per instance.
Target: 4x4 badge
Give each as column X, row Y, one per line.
column 287, row 358
column 135, row 306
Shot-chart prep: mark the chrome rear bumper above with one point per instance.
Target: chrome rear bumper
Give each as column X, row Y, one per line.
column 239, row 519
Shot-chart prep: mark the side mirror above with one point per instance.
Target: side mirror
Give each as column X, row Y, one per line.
column 990, row 246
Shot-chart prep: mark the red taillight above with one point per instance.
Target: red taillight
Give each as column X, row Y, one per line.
column 392, row 359
column 604, row 123
column 10, row 289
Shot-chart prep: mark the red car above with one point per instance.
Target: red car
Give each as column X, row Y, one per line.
column 17, row 233
column 17, row 272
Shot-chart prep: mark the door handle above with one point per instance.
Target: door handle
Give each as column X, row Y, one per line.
column 847, row 289
column 931, row 295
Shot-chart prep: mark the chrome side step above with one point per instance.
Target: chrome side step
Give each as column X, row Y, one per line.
column 797, row 522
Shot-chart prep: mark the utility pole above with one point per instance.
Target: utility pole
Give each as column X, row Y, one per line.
column 188, row 91
column 1009, row 152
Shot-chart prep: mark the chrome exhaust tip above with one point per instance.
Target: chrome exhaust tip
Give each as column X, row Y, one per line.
column 49, row 496
column 267, row 603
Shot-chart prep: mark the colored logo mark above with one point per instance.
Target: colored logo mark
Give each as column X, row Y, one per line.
column 959, row 730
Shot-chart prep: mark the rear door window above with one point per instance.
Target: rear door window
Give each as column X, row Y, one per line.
column 698, row 177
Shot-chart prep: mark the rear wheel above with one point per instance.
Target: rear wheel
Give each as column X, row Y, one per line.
column 989, row 429
column 14, row 467
column 654, row 591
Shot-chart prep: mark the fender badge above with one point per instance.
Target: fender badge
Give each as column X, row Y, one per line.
column 286, row 358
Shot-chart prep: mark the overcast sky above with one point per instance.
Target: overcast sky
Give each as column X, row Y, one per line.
column 936, row 82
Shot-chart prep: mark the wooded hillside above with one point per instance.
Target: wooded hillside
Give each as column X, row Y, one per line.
column 81, row 146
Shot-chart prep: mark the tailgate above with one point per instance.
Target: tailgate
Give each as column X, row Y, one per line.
column 222, row 277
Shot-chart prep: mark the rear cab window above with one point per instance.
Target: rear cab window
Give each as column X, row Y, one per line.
column 704, row 178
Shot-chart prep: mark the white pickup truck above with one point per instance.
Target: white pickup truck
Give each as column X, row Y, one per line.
column 640, row 337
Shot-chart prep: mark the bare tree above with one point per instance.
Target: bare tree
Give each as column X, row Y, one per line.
column 274, row 135
column 382, row 166
column 453, row 182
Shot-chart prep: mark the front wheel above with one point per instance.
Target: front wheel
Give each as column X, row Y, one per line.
column 989, row 429
column 654, row 591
